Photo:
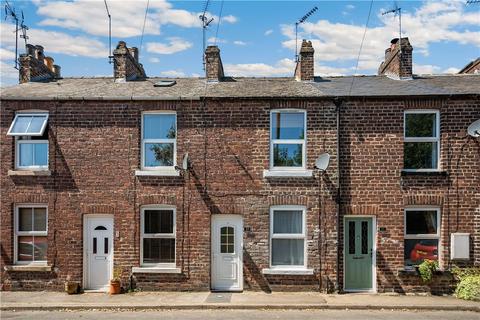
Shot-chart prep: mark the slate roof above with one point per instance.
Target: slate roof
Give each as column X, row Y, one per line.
column 196, row 88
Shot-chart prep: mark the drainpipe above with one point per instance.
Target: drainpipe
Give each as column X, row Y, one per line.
column 338, row 104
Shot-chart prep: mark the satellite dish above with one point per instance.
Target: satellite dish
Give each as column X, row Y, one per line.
column 474, row 129
column 185, row 162
column 322, row 162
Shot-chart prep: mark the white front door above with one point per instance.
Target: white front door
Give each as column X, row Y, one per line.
column 227, row 252
column 98, row 247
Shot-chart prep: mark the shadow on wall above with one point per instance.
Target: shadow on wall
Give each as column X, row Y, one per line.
column 254, row 273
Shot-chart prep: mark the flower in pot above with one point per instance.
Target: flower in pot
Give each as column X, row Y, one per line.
column 115, row 284
column 71, row 287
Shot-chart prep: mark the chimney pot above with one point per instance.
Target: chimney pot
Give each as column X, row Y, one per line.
column 39, row 53
column 213, row 64
column 48, row 61
column 304, row 71
column 57, row 70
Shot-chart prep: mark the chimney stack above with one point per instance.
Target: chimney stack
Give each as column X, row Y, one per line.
column 304, row 71
column 125, row 64
column 34, row 66
column 213, row 64
column 397, row 65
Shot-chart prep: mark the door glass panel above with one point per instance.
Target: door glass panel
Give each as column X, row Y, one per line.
column 94, row 245
column 100, row 228
column 364, row 237
column 351, row 237
column 227, row 242
column 105, row 247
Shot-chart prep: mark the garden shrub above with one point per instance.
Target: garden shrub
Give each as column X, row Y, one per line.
column 469, row 286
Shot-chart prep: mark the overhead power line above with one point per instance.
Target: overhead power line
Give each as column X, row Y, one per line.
column 361, row 46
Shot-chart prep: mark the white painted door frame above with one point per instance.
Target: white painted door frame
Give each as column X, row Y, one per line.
column 219, row 221
column 86, row 263
column 374, row 251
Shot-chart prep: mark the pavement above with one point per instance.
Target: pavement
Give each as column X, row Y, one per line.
column 29, row 301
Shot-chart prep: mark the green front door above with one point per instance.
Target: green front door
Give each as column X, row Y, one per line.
column 358, row 250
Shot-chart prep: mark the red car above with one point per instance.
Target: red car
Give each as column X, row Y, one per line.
column 421, row 252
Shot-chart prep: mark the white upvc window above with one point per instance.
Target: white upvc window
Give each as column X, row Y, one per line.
column 31, row 140
column 288, row 248
column 159, row 140
column 31, row 228
column 157, row 237
column 421, row 234
column 421, row 140
column 288, row 130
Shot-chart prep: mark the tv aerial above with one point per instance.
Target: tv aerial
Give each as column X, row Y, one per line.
column 322, row 162
column 19, row 26
column 300, row 21
column 110, row 56
column 474, row 129
column 397, row 11
column 205, row 23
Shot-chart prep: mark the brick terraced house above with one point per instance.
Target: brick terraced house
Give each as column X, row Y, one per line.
column 212, row 183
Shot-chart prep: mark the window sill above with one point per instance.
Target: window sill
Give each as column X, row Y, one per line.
column 288, row 271
column 158, row 173
column 287, row 173
column 433, row 173
column 155, row 270
column 28, row 268
column 29, row 172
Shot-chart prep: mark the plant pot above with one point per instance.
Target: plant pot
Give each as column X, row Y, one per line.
column 115, row 287
column 71, row 287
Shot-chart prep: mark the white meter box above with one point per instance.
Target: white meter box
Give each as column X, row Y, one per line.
column 460, row 246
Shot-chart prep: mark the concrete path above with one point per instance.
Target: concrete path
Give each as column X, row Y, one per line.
column 245, row 300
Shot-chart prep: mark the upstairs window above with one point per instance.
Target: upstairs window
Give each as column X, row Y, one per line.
column 31, row 141
column 287, row 139
column 422, row 140
column 158, row 237
column 422, row 235
column 159, row 140
column 31, row 234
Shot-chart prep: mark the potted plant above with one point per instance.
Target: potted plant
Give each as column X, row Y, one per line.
column 115, row 284
column 71, row 287
column 426, row 270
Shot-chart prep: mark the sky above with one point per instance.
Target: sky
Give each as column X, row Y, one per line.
column 256, row 38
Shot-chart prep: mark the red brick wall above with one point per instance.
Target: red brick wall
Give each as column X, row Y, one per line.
column 371, row 182
column 94, row 151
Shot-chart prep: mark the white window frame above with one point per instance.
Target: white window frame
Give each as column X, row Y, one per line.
column 303, row 141
column 18, row 142
column 158, row 235
column 423, row 139
column 296, row 236
column 419, row 236
column 145, row 141
column 31, row 114
column 18, row 233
